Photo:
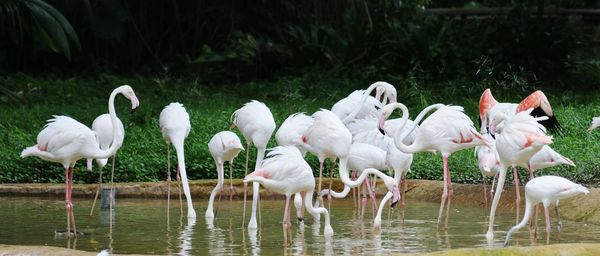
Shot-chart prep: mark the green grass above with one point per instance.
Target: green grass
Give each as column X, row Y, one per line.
column 143, row 155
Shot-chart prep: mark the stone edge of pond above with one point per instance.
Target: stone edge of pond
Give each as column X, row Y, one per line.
column 584, row 208
column 555, row 249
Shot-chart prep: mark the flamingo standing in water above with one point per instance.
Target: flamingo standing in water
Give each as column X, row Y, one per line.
column 103, row 128
column 290, row 134
column 520, row 137
column 488, row 162
column 65, row 140
column 223, row 146
column 446, row 130
column 175, row 127
column 547, row 190
column 285, row 171
column 257, row 124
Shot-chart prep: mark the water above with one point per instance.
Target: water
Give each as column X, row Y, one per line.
column 141, row 226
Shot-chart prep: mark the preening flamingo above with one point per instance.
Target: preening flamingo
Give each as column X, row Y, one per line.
column 547, row 190
column 257, row 124
column 488, row 163
column 359, row 104
column 595, row 124
column 175, row 126
column 489, row 107
column 446, row 130
column 223, row 146
column 103, row 128
column 520, row 137
column 285, row 171
column 65, row 140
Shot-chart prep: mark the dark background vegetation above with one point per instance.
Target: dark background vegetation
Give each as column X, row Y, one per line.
column 64, row 57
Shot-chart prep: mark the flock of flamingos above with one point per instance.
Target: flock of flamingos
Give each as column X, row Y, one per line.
column 357, row 132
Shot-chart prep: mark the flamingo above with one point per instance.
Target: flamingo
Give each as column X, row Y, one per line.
column 367, row 159
column 285, row 171
column 257, row 124
column 488, row 162
column 290, row 134
column 446, row 130
column 547, row 190
column 359, row 104
column 489, row 107
column 103, row 128
column 520, row 137
column 595, row 124
column 65, row 140
column 175, row 127
column 223, row 146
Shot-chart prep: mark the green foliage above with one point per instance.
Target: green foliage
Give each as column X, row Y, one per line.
column 143, row 154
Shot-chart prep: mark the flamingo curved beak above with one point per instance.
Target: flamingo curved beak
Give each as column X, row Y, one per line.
column 134, row 103
column 395, row 196
column 380, row 124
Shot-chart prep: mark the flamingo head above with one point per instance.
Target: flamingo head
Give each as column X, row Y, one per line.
column 384, row 113
column 128, row 92
column 395, row 196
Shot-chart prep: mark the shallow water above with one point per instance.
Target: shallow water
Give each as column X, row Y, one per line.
column 141, row 226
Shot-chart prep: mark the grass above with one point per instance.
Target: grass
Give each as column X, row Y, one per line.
column 143, row 155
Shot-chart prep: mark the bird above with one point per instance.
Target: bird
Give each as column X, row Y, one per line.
column 519, row 137
column 489, row 107
column 257, row 124
column 446, row 130
column 223, row 146
column 285, row 171
column 547, row 190
column 65, row 140
column 488, row 163
column 103, row 128
column 595, row 124
column 328, row 138
column 175, row 127
column 367, row 159
column 359, row 104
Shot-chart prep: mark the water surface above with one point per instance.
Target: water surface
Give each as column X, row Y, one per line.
column 142, row 226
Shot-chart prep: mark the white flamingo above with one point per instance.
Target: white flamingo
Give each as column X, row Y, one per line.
column 223, row 146
column 547, row 190
column 257, row 124
column 65, row 140
column 175, row 126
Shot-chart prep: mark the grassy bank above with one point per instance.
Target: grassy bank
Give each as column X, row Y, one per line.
column 143, row 156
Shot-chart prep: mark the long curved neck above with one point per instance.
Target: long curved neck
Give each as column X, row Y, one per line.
column 526, row 216
column 308, row 197
column 364, row 174
column 362, row 102
column 399, row 135
column 117, row 135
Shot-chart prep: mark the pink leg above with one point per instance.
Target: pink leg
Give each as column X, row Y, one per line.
column 286, row 213
column 245, row 184
column 403, row 187
column 354, row 198
column 71, row 202
column 518, row 192
column 485, row 194
column 168, row 177
column 231, row 190
column 547, row 213
column 320, row 177
column 450, row 195
column 67, row 203
column 533, row 221
column 372, row 195
column 363, row 201
column 445, row 192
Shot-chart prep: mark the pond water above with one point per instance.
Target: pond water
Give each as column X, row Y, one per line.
column 141, row 226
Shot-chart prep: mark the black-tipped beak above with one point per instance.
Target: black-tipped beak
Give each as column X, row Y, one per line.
column 133, row 110
column 394, row 204
column 300, row 219
column 381, row 131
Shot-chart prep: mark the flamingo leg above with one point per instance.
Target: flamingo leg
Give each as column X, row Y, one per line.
column 112, row 189
column 450, row 195
column 518, row 192
column 168, row 178
column 219, row 184
column 67, row 203
column 179, row 190
column 445, row 191
column 354, row 198
column 286, row 213
column 245, row 184
column 485, row 195
column 548, row 229
column 533, row 221
column 71, row 208
column 331, row 171
column 231, row 190
column 403, row 187
column 372, row 196
column 320, row 177
column 363, row 201
column 97, row 192
column 559, row 223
